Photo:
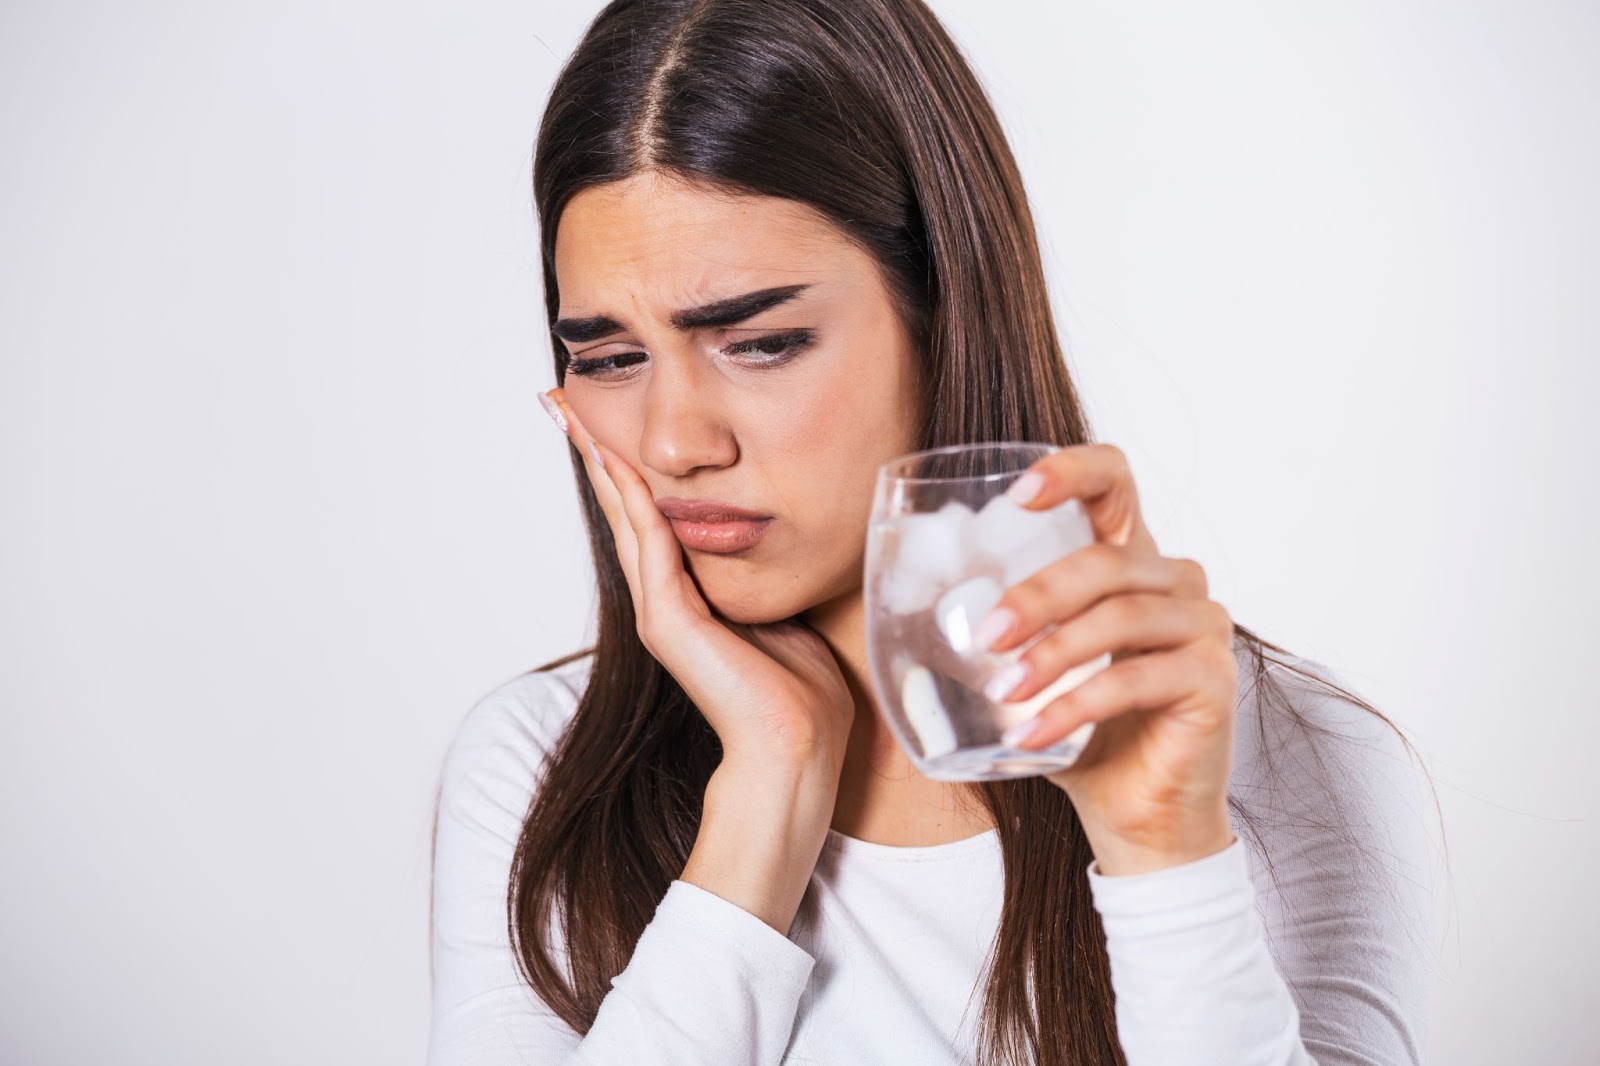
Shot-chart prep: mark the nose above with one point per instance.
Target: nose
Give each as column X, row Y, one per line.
column 683, row 427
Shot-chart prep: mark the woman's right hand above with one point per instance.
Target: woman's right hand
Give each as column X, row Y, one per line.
column 773, row 692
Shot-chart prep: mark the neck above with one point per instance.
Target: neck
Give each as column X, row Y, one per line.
column 882, row 796
column 841, row 623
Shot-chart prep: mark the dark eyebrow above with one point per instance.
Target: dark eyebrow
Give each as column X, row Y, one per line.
column 725, row 312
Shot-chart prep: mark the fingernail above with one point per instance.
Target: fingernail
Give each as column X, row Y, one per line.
column 553, row 409
column 594, row 451
column 1014, row 736
column 993, row 626
column 1005, row 682
column 1025, row 487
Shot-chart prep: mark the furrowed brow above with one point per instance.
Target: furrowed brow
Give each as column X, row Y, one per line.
column 724, row 312
column 735, row 308
column 583, row 330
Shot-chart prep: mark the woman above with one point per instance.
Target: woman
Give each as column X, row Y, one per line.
column 784, row 242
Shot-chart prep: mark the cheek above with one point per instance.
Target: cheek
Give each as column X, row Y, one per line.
column 612, row 417
column 862, row 416
column 827, row 445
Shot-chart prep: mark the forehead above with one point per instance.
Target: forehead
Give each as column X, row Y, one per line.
column 661, row 239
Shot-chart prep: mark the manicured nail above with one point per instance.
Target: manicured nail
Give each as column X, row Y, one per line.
column 553, row 409
column 1014, row 736
column 1005, row 682
column 993, row 626
column 1025, row 488
column 595, row 451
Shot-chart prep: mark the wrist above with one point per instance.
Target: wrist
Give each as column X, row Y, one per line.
column 1120, row 855
column 760, row 835
column 790, row 792
column 813, row 769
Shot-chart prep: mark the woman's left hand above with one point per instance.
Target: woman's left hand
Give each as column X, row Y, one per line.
column 1151, row 787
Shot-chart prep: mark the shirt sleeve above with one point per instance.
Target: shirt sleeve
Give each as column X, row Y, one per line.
column 707, row 982
column 1309, row 945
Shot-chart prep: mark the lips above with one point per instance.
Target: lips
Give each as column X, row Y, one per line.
column 714, row 526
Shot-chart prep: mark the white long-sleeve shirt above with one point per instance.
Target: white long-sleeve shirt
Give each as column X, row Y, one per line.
column 1210, row 963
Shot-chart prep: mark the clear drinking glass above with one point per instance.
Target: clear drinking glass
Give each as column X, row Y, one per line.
column 943, row 543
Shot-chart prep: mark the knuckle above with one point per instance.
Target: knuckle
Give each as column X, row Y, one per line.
column 1121, row 613
column 1116, row 681
column 1048, row 585
column 1215, row 660
column 1224, row 624
column 1028, row 596
column 1193, row 574
column 1054, row 650
column 1102, row 556
column 1116, row 454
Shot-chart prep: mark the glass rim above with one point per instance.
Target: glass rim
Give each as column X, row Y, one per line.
column 885, row 474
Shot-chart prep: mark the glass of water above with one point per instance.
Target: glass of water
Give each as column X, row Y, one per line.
column 943, row 543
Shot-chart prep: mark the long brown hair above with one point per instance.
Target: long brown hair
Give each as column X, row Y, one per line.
column 867, row 111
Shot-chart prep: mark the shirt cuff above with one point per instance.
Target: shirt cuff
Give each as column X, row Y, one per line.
column 1193, row 976
column 771, row 955
column 708, row 982
column 1179, row 897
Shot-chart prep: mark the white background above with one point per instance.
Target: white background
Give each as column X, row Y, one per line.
column 279, row 505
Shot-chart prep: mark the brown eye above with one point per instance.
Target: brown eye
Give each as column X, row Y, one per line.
column 602, row 366
column 774, row 348
column 772, row 345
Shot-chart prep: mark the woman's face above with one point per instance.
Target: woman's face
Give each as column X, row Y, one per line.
column 787, row 411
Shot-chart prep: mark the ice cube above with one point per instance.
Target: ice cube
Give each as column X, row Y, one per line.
column 925, row 713
column 1068, row 530
column 1029, row 558
column 960, row 516
column 959, row 609
column 1070, row 518
column 1002, row 527
column 932, row 545
column 901, row 594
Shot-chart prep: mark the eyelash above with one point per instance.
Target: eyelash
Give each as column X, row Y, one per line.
column 793, row 343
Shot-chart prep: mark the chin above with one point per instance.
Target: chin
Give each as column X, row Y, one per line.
column 752, row 598
column 751, row 606
column 759, row 597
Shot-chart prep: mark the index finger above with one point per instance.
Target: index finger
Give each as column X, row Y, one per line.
column 605, row 490
column 1097, row 475
column 582, row 439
